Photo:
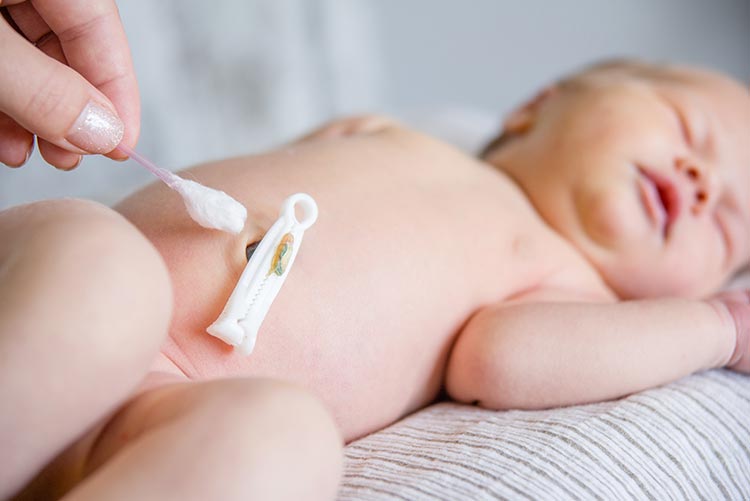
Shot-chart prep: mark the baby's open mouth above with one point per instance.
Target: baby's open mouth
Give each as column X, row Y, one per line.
column 660, row 197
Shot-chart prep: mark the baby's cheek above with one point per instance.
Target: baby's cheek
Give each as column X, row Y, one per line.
column 611, row 217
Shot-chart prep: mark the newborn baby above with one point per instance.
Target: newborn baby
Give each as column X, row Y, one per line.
column 574, row 262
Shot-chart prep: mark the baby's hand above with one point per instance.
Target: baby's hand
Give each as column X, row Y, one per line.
column 351, row 126
column 737, row 303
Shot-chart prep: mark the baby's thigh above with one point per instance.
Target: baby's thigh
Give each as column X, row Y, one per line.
column 81, row 239
column 247, row 437
column 80, row 287
column 85, row 302
column 63, row 255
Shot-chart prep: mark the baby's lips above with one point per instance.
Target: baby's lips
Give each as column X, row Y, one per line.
column 661, row 197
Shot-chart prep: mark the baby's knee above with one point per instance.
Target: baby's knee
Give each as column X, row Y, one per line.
column 247, row 438
column 295, row 413
column 93, row 253
column 285, row 428
column 248, row 435
column 105, row 242
column 102, row 239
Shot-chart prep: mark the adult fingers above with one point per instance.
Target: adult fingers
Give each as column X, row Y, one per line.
column 31, row 25
column 53, row 101
column 16, row 142
column 36, row 30
column 93, row 40
column 28, row 21
column 60, row 158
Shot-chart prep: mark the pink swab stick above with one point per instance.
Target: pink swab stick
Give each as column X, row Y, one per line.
column 162, row 174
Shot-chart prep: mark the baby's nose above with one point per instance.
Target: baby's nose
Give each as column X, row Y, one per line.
column 703, row 182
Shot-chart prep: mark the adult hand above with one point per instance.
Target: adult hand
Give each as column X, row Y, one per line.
column 65, row 76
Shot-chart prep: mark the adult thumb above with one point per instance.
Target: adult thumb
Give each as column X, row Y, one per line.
column 53, row 101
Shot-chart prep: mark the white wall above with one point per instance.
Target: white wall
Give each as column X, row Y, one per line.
column 233, row 76
column 487, row 53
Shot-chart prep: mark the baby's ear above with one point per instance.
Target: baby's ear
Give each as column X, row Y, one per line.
column 523, row 118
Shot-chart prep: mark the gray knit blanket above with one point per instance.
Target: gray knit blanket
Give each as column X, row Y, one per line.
column 687, row 440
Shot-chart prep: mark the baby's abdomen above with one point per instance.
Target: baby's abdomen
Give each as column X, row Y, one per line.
column 371, row 340
column 402, row 254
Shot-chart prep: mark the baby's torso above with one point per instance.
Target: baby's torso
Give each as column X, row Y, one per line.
column 412, row 238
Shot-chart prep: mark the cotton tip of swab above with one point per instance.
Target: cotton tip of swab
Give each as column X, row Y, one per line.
column 211, row 208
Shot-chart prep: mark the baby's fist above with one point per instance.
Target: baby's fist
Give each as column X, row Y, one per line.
column 737, row 303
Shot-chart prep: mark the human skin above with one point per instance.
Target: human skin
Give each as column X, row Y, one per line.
column 595, row 136
column 429, row 269
column 358, row 310
column 646, row 170
column 85, row 303
column 53, row 255
column 66, row 78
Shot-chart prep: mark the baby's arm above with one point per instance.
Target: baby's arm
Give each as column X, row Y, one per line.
column 547, row 350
column 350, row 126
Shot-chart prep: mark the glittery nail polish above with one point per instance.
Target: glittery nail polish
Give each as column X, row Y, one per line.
column 96, row 130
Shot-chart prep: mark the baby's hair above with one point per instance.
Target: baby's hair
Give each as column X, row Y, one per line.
column 576, row 81
column 497, row 143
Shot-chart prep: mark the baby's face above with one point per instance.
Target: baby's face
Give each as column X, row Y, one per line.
column 647, row 173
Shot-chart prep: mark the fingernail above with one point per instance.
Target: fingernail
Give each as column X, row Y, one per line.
column 96, row 130
column 78, row 162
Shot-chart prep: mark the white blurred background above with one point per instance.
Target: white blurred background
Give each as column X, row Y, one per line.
column 235, row 76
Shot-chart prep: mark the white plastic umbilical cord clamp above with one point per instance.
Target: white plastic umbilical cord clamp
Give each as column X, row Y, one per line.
column 264, row 275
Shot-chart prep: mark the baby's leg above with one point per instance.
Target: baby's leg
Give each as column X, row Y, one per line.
column 225, row 439
column 85, row 303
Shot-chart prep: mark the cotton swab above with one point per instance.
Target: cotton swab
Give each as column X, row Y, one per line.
column 209, row 208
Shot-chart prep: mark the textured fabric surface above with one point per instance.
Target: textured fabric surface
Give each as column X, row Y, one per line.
column 686, row 440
